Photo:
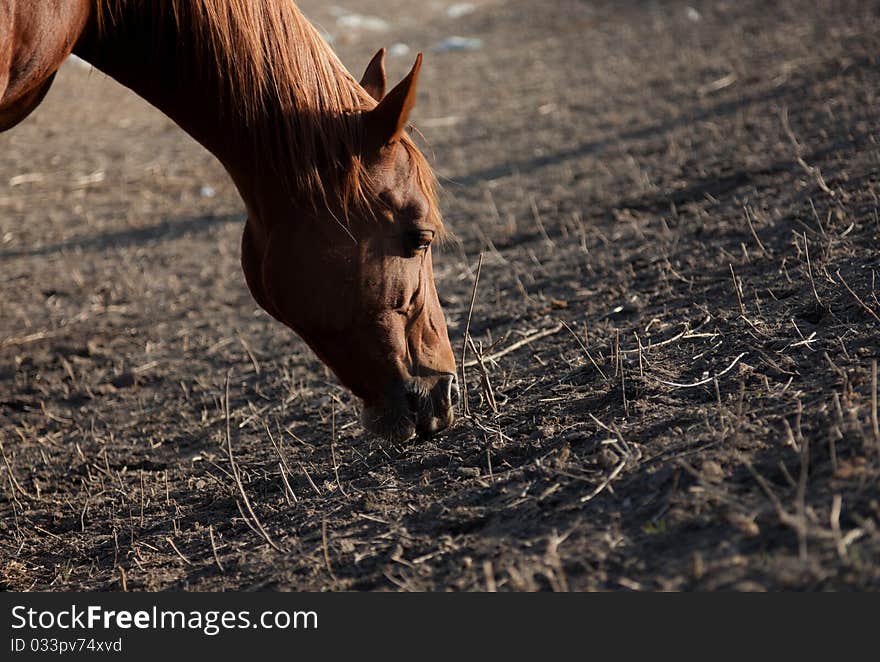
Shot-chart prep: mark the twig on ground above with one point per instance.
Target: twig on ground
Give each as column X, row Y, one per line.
column 622, row 376
column 856, row 297
column 214, row 548
column 250, row 354
column 333, row 448
column 707, row 380
column 737, row 290
column 484, row 376
column 309, row 478
column 754, row 233
column 326, row 549
column 585, row 350
column 31, row 337
column 12, row 479
column 605, row 483
column 489, row 574
column 686, row 334
column 235, row 474
column 467, row 329
column 810, row 269
column 801, row 526
column 875, row 420
column 812, row 171
column 801, row 499
column 282, row 467
column 177, row 551
column 537, row 216
column 834, row 520
column 519, row 343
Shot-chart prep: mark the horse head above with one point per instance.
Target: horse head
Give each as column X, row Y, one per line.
column 356, row 281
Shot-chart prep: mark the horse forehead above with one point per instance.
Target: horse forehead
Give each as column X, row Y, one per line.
column 393, row 170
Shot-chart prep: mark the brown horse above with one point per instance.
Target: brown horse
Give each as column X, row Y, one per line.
column 341, row 205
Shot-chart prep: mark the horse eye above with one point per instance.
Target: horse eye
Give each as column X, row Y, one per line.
column 421, row 240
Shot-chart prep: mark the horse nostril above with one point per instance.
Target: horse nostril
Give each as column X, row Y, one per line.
column 412, row 401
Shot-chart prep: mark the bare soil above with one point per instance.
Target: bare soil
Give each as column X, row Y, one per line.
column 691, row 187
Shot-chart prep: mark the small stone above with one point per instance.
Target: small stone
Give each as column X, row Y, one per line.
column 743, row 524
column 363, row 22
column 398, row 50
column 712, row 471
column 456, row 43
column 608, row 459
column 460, row 9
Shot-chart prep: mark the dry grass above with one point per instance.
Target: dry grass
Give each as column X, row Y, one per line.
column 671, row 372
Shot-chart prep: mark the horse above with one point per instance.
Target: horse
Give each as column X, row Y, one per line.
column 342, row 207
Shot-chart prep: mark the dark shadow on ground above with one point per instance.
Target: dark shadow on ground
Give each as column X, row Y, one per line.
column 166, row 230
column 723, row 108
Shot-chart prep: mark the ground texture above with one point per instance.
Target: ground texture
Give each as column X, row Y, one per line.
column 677, row 209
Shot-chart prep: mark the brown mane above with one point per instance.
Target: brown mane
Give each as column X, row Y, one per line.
column 288, row 86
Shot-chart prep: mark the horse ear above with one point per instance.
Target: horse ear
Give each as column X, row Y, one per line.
column 386, row 122
column 374, row 78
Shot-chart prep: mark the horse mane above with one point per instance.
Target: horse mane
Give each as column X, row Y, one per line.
column 281, row 78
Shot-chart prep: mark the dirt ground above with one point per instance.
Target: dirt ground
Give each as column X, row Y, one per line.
column 691, row 188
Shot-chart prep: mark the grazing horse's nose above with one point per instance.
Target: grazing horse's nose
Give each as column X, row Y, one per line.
column 440, row 411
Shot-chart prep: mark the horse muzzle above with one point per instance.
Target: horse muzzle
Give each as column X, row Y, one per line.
column 419, row 407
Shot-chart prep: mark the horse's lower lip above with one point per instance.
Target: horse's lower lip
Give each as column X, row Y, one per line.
column 428, row 434
column 434, row 425
column 393, row 426
column 417, row 414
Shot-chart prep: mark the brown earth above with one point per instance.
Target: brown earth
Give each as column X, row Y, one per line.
column 691, row 187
